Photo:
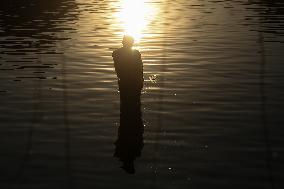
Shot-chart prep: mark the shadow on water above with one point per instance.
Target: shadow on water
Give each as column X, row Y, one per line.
column 270, row 15
column 129, row 143
column 29, row 28
column 32, row 25
column 270, row 19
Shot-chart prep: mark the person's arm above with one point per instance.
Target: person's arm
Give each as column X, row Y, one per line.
column 114, row 57
column 140, row 62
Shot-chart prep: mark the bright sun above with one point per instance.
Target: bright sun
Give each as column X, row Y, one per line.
column 134, row 16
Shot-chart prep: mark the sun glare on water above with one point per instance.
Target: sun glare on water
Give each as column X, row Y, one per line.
column 135, row 16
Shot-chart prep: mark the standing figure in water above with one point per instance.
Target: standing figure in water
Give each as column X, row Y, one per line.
column 129, row 69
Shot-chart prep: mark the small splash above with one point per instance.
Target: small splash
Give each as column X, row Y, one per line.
column 153, row 78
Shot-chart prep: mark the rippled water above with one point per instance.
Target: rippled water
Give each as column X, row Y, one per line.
column 212, row 101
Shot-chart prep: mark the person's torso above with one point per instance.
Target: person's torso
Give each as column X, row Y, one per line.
column 128, row 64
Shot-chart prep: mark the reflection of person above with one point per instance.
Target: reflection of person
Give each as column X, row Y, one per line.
column 129, row 143
column 129, row 69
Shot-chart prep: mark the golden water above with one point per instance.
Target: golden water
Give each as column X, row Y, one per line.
column 211, row 103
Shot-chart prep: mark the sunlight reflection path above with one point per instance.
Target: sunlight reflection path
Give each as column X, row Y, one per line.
column 135, row 16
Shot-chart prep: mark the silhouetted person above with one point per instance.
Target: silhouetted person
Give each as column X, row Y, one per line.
column 129, row 69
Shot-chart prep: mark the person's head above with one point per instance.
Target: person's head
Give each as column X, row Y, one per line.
column 127, row 41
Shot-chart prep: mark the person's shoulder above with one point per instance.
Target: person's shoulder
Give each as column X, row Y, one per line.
column 116, row 52
column 136, row 52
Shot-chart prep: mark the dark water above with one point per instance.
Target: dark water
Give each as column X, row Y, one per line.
column 211, row 106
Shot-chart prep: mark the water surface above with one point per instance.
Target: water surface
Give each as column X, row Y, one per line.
column 212, row 101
